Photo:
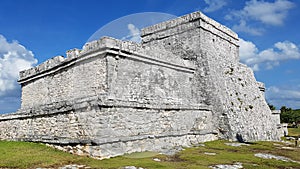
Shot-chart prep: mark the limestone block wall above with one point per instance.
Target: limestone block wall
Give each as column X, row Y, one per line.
column 276, row 120
column 122, row 71
column 110, row 124
column 182, row 85
column 102, row 128
column 76, row 80
column 113, row 97
column 248, row 115
column 228, row 86
column 152, row 84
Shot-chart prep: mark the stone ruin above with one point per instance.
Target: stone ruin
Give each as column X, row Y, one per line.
column 183, row 84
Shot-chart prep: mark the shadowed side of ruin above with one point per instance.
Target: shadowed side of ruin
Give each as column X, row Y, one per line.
column 182, row 85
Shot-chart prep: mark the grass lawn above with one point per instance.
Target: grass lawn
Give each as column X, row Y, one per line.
column 33, row 155
column 294, row 131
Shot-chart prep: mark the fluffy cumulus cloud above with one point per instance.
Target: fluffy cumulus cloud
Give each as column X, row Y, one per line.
column 13, row 58
column 214, row 5
column 282, row 96
column 267, row 13
column 251, row 56
column 134, row 33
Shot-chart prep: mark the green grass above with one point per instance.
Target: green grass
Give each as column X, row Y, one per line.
column 294, row 131
column 33, row 155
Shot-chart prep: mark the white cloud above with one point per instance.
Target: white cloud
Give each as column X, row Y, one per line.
column 268, row 13
column 280, row 96
column 250, row 55
column 214, row 5
column 13, row 58
column 134, row 34
column 243, row 27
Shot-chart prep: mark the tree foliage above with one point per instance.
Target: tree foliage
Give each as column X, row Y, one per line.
column 289, row 115
column 272, row 107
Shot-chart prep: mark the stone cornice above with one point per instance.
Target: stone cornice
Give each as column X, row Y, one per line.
column 100, row 48
column 101, row 101
column 186, row 23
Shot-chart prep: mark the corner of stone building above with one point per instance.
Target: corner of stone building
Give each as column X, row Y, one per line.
column 200, row 91
column 212, row 47
column 222, row 82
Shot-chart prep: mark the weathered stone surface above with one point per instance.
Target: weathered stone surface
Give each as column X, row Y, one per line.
column 271, row 156
column 229, row 87
column 182, row 85
column 227, row 166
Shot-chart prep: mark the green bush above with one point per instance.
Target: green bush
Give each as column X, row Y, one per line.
column 289, row 116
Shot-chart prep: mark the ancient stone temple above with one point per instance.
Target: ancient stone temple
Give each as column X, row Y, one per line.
column 183, row 84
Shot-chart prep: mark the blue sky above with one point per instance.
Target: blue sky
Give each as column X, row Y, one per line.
column 32, row 31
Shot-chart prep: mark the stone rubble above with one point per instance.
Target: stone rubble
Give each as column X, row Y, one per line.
column 70, row 166
column 227, row 166
column 288, row 148
column 132, row 167
column 271, row 156
column 74, row 166
column 237, row 144
column 211, row 154
column 156, row 159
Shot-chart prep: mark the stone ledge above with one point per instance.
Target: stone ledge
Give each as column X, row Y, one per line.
column 49, row 64
column 276, row 112
column 103, row 141
column 102, row 47
column 185, row 19
column 78, row 104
